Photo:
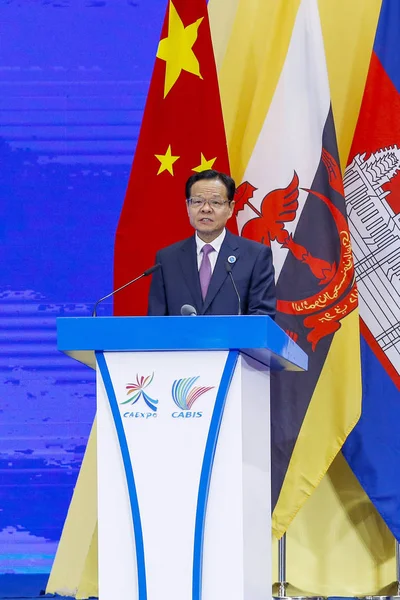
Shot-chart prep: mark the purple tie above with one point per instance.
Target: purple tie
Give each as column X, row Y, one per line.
column 205, row 269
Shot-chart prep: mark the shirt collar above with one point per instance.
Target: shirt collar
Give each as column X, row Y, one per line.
column 216, row 244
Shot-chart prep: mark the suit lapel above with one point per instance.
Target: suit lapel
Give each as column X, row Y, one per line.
column 188, row 261
column 229, row 247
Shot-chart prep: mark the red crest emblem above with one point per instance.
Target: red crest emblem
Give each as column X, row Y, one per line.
column 322, row 311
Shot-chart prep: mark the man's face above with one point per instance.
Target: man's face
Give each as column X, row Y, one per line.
column 209, row 221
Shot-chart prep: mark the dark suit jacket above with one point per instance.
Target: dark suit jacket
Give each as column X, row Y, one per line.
column 177, row 282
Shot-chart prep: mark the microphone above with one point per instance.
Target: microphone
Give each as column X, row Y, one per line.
column 144, row 274
column 228, row 268
column 188, row 310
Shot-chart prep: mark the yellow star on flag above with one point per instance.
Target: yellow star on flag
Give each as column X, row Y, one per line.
column 176, row 49
column 204, row 164
column 166, row 160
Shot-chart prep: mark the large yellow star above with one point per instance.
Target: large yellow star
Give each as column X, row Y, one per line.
column 204, row 164
column 176, row 49
column 166, row 160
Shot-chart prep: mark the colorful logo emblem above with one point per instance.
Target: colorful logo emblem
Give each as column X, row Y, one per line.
column 184, row 394
column 136, row 390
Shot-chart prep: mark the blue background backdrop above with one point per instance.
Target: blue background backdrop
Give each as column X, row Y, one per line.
column 74, row 76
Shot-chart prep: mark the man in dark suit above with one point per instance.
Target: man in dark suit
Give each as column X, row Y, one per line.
column 195, row 271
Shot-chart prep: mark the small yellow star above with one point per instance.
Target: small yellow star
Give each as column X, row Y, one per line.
column 204, row 164
column 176, row 49
column 166, row 160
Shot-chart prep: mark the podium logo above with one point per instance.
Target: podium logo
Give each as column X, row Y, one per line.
column 135, row 391
column 185, row 395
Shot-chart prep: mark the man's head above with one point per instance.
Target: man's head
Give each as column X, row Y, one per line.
column 210, row 203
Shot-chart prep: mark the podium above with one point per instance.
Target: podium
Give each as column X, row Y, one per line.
column 183, row 432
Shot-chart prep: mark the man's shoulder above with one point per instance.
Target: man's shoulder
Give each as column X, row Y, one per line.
column 247, row 244
column 172, row 249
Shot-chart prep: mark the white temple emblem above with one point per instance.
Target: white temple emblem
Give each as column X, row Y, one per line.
column 375, row 231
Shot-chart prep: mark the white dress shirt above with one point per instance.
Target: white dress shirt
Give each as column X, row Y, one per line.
column 216, row 244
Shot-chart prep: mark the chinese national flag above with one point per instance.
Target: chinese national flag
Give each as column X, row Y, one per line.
column 182, row 132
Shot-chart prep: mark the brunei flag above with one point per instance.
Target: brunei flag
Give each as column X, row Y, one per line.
column 372, row 187
column 182, row 133
column 291, row 198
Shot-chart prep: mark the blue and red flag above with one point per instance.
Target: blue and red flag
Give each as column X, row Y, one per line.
column 372, row 189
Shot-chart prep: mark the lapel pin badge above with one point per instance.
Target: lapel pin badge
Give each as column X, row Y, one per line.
column 231, row 259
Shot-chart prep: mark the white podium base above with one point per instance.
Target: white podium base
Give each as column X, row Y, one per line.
column 183, row 476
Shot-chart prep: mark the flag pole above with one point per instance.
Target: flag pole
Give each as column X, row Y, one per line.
column 282, row 567
column 282, row 583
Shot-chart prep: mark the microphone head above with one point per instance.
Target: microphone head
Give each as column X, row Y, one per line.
column 228, row 267
column 188, row 310
column 152, row 269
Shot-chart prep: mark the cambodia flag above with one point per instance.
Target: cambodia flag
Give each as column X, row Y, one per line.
column 182, row 132
column 372, row 189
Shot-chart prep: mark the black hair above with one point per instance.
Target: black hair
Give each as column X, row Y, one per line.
column 211, row 174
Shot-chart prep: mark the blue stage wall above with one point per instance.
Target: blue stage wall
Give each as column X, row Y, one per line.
column 73, row 77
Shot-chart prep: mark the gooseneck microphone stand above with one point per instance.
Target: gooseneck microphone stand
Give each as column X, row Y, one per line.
column 144, row 274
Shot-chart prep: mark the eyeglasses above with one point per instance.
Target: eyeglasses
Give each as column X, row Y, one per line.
column 215, row 202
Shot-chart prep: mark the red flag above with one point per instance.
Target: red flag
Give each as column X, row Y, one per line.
column 182, row 132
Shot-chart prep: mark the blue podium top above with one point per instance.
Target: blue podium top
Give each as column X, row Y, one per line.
column 257, row 336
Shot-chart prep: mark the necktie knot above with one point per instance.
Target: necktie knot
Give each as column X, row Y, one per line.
column 206, row 249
